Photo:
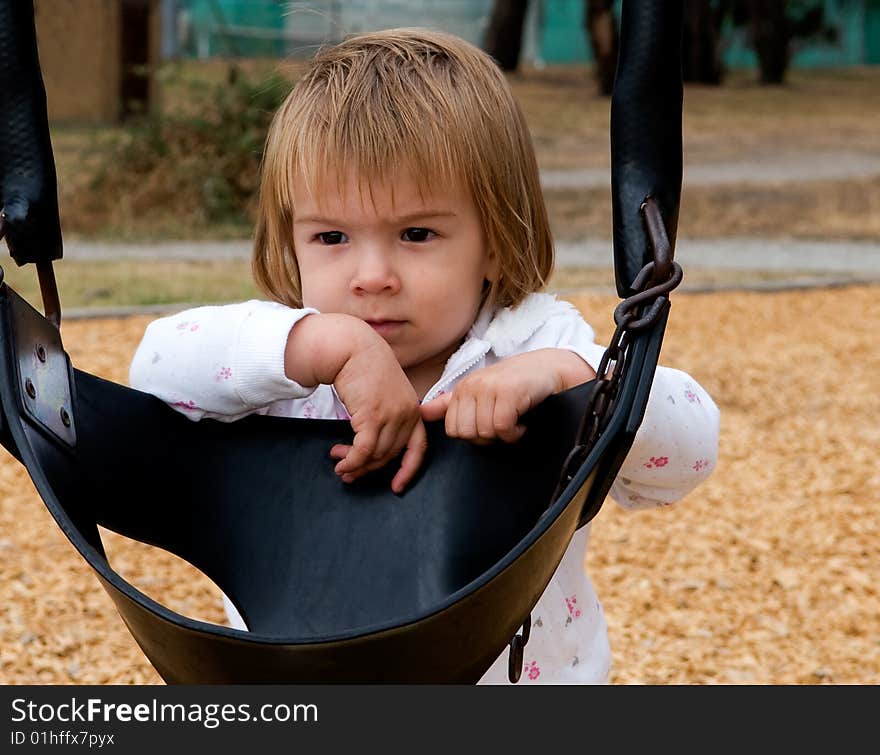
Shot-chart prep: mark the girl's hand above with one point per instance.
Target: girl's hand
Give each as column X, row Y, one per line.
column 346, row 352
column 385, row 416
column 487, row 404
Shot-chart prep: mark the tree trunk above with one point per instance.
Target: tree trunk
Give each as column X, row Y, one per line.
column 770, row 37
column 601, row 28
column 700, row 53
column 504, row 34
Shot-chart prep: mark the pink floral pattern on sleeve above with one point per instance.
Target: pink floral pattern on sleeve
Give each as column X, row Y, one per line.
column 532, row 670
column 187, row 406
column 224, row 373
column 187, row 327
column 656, row 461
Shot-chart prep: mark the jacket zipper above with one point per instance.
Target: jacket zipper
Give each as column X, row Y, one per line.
column 441, row 387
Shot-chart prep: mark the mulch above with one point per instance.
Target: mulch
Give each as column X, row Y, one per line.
column 766, row 574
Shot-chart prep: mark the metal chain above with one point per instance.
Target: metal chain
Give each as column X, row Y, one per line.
column 636, row 312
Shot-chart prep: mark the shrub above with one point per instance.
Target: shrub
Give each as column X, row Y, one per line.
column 196, row 167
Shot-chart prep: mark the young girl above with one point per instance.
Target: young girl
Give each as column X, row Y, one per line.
column 403, row 239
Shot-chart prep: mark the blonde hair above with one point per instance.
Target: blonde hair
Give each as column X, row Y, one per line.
column 415, row 99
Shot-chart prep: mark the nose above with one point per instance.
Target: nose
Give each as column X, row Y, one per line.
column 374, row 273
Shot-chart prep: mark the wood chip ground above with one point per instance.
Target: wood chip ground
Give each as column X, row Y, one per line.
column 766, row 574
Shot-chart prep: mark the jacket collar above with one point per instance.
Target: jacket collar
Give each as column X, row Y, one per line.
column 501, row 331
column 506, row 330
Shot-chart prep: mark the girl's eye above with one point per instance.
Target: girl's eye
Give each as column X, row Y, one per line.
column 332, row 237
column 417, row 234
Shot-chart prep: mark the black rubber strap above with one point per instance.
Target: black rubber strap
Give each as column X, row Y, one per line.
column 646, row 152
column 28, row 187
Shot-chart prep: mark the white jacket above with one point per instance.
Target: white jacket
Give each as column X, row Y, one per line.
column 225, row 362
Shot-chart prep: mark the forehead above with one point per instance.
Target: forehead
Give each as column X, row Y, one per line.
column 397, row 193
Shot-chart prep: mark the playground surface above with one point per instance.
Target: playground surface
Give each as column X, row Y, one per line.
column 766, row 574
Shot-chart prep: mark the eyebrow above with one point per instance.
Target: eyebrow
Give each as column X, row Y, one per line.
column 402, row 219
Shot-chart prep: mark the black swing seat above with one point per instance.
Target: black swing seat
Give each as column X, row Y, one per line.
column 337, row 583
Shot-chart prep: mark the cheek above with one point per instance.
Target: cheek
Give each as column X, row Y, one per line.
column 453, row 300
column 320, row 288
column 323, row 301
column 448, row 290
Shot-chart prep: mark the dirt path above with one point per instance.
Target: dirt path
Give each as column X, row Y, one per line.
column 785, row 168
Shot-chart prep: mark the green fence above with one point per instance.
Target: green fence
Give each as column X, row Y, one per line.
column 872, row 32
column 855, row 40
column 555, row 33
column 241, row 28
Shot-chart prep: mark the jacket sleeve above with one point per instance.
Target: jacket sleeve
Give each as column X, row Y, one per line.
column 219, row 362
column 676, row 445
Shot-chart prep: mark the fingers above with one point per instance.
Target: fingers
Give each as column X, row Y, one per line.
column 470, row 411
column 371, row 450
column 482, row 418
column 416, row 446
column 436, row 409
column 390, row 441
column 461, row 417
column 360, row 453
column 340, row 451
column 505, row 422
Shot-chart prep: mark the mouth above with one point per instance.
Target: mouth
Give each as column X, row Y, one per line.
column 386, row 327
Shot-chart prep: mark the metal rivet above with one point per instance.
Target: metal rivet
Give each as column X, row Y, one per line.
column 29, row 388
column 65, row 417
column 41, row 352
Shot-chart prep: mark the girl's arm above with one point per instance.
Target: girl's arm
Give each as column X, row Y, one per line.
column 676, row 445
column 219, row 362
column 227, row 362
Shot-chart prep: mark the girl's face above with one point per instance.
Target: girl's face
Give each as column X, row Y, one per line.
column 412, row 266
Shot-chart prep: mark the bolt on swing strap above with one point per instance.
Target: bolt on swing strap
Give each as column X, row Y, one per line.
column 44, row 372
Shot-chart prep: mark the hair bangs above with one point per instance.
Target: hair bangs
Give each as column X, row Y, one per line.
column 369, row 139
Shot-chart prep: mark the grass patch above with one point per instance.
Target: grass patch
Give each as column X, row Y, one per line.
column 194, row 167
column 123, row 283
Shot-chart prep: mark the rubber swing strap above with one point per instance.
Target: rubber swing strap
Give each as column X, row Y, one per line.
column 646, row 145
column 28, row 186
